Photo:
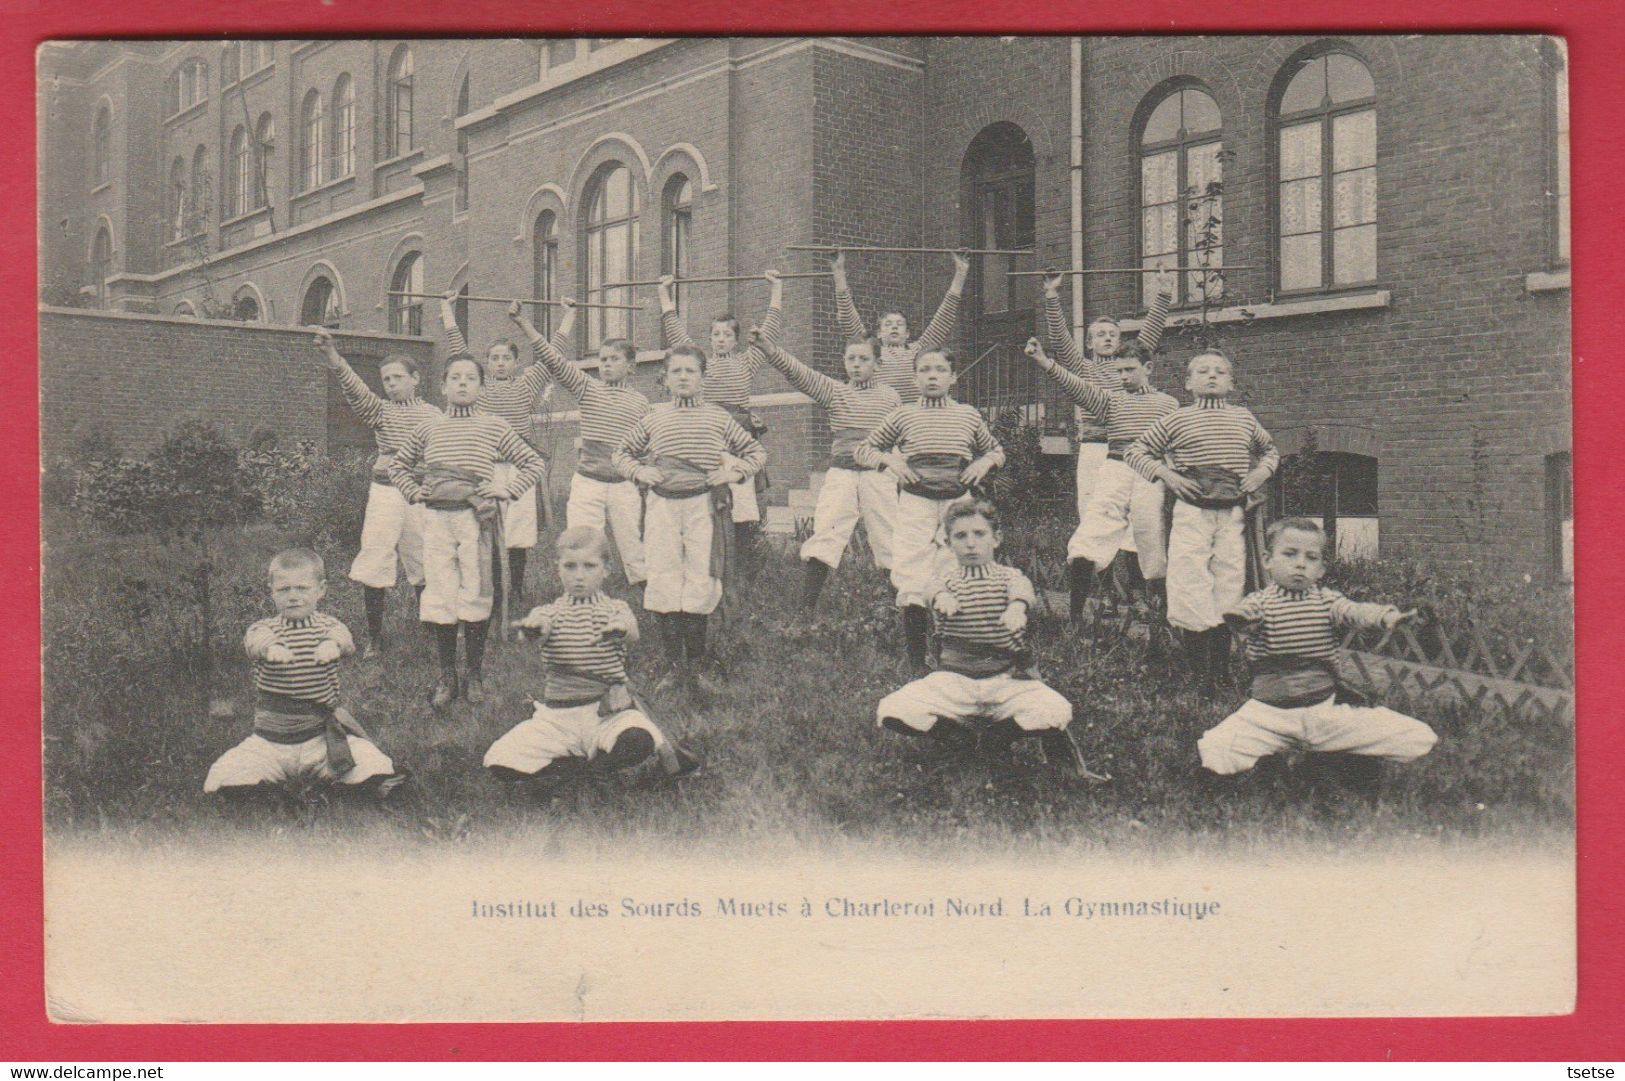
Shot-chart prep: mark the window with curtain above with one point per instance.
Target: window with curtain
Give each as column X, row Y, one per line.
column 611, row 243
column 175, row 201
column 1181, row 196
column 406, row 313
column 545, row 251
column 1326, row 169
column 677, row 215
column 313, row 141
column 264, row 148
column 343, row 126
column 101, row 151
column 239, row 166
column 398, row 104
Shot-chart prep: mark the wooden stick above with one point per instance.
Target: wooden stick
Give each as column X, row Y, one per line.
column 905, row 251
column 723, row 278
column 1127, row 270
column 522, row 300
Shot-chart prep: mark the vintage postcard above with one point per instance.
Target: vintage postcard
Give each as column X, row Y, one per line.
column 806, row 528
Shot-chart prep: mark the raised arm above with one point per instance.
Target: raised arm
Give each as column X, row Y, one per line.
column 772, row 324
column 1060, row 336
column 846, row 313
column 941, row 327
column 1347, row 613
column 550, row 355
column 1156, row 319
column 672, row 331
column 367, row 406
column 455, row 342
column 1085, row 393
column 815, row 385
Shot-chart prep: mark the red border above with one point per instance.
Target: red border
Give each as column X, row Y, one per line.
column 1596, row 43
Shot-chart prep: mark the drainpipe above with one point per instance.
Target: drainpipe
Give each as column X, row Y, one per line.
column 1076, row 144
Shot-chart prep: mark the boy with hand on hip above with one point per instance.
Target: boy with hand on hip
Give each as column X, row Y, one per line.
column 985, row 676
column 609, row 409
column 1220, row 457
column 938, row 450
column 300, row 730
column 1290, row 627
column 588, row 715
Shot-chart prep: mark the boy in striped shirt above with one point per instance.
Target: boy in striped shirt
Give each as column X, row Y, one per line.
column 689, row 455
column 299, row 728
column 609, row 409
column 897, row 354
column 458, row 454
column 1117, row 509
column 1290, row 627
column 938, row 450
column 1213, row 456
column 985, row 674
column 850, row 490
column 728, row 376
column 515, row 398
column 587, row 714
column 390, row 525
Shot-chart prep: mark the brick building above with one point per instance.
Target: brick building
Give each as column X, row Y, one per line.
column 1397, row 206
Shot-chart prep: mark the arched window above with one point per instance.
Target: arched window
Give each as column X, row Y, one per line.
column 188, row 85
column 1181, row 191
column 461, row 199
column 459, row 310
column 101, row 265
column 184, row 310
column 398, row 104
column 343, row 126
column 239, row 166
column 231, row 62
column 320, row 308
column 1338, row 489
column 996, row 194
column 406, row 313
column 544, row 240
column 198, row 209
column 677, row 228
column 175, row 201
column 246, row 307
column 312, row 141
column 101, row 150
column 264, row 148
column 1326, row 170
column 611, row 243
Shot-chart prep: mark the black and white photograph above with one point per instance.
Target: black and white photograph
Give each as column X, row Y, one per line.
column 749, row 528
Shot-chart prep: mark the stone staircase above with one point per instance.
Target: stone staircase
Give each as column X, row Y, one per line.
column 782, row 519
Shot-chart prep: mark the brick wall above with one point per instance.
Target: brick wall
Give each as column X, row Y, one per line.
column 132, row 378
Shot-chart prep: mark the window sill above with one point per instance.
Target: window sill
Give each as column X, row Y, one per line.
column 246, row 81
column 249, row 215
column 325, row 185
column 185, row 241
column 1370, row 300
column 195, row 109
column 433, row 165
column 1547, row 281
column 398, row 159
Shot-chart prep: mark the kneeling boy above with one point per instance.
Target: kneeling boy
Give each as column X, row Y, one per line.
column 299, row 728
column 985, row 672
column 1292, row 650
column 587, row 713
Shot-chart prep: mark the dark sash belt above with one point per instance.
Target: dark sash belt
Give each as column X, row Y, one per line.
column 939, row 476
column 594, row 462
column 280, row 719
column 979, row 660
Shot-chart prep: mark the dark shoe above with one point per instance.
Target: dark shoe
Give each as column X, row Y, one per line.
column 710, row 680
column 444, row 692
column 954, row 734
column 383, row 786
column 669, row 684
column 682, row 763
column 1063, row 754
column 374, row 649
column 474, row 688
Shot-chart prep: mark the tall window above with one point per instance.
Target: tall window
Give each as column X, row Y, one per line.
column 999, row 170
column 461, row 198
column 231, row 62
column 611, row 240
column 1560, row 514
column 101, row 148
column 1558, row 184
column 246, row 307
column 545, row 250
column 560, row 51
column 101, row 265
column 175, row 201
column 256, row 55
column 188, row 85
column 1326, row 154
column 343, row 127
column 1338, row 489
column 320, row 307
column 198, row 209
column 677, row 221
column 406, row 313
column 1181, row 198
column 239, row 167
column 312, row 140
column 264, row 149
column 459, row 310
column 398, row 103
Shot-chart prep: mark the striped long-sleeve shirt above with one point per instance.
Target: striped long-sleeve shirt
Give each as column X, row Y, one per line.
column 1292, row 643
column 1127, row 413
column 855, row 408
column 465, row 439
column 1211, row 433
column 1099, row 369
column 974, row 642
column 609, row 410
column 391, row 422
column 727, row 375
column 896, row 362
column 303, row 678
column 575, row 646
column 936, row 426
column 689, row 429
column 513, row 399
